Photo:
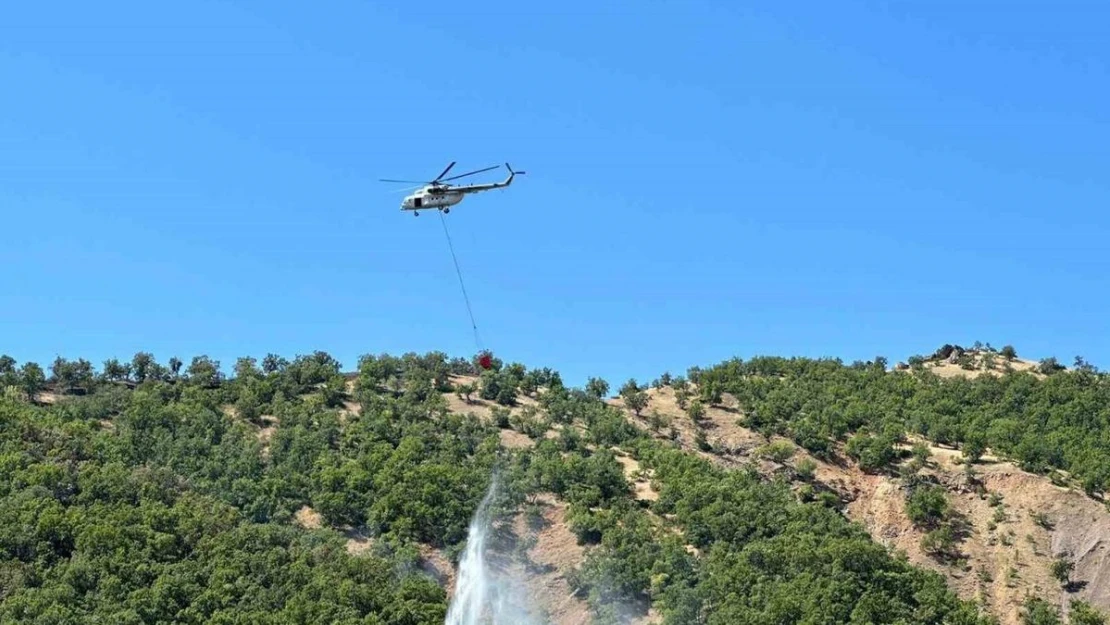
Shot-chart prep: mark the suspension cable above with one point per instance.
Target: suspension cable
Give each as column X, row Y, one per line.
column 462, row 285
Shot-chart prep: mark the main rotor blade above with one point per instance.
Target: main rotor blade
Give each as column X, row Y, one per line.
column 470, row 173
column 401, row 181
column 436, row 179
column 406, row 189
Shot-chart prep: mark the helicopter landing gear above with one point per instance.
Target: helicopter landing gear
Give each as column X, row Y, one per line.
column 446, row 210
column 415, row 214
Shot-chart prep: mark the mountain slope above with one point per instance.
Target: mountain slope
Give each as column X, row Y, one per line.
column 1010, row 526
column 999, row 537
column 646, row 515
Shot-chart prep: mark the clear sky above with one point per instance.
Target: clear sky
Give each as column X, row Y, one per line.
column 705, row 179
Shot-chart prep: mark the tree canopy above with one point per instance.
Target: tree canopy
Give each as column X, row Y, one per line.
column 1048, row 422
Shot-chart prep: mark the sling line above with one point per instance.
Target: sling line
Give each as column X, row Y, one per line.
column 462, row 285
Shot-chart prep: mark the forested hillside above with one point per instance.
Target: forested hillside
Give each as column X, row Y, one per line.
column 1041, row 418
column 1009, row 539
column 142, row 493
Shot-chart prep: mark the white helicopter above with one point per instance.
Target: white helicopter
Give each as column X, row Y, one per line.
column 437, row 194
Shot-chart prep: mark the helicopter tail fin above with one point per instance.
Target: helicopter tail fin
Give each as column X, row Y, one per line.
column 512, row 173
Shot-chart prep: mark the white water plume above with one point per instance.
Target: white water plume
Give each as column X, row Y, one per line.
column 483, row 595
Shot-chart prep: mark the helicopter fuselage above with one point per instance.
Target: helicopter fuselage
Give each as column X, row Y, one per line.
column 444, row 197
column 425, row 199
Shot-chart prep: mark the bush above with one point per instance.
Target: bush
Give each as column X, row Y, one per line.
column 778, row 451
column 1081, row 613
column 635, row 399
column 927, row 506
column 501, row 417
column 597, row 388
column 696, row 411
column 1050, row 365
column 805, row 469
column 939, row 542
column 1061, row 570
column 873, row 453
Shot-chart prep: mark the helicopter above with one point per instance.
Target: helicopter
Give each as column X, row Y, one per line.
column 438, row 194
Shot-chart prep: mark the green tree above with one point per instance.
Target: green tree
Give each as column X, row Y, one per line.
column 872, row 452
column 246, row 368
column 32, row 380
column 205, row 372
column 334, row 391
column 248, row 406
column 682, row 397
column 1048, row 366
column 9, row 374
column 1061, row 570
column 141, row 366
column 636, row 401
column 500, row 387
column 273, row 363
column 464, row 391
column 973, row 447
column 710, row 393
column 927, row 506
column 681, row 392
column 1037, row 611
column 1081, row 364
column 693, row 374
column 374, row 372
column 597, row 388
column 530, row 383
column 696, row 411
column 1082, row 613
column 175, row 366
column 115, row 371
column 920, row 452
column 71, row 376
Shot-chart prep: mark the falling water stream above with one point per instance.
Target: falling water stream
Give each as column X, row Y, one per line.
column 482, row 595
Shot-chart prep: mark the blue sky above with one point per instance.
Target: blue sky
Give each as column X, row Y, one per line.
column 705, row 179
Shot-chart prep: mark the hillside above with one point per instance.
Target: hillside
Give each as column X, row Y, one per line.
column 289, row 492
column 1003, row 556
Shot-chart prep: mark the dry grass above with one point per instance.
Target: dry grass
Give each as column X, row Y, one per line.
column 308, row 518
column 512, row 439
column 641, row 481
column 478, row 406
column 946, row 369
column 357, row 542
column 556, row 552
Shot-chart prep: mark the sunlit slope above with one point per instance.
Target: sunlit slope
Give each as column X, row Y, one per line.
column 777, row 488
